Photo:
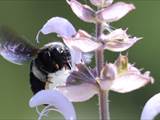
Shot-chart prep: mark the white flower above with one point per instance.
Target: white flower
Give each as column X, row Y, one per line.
column 151, row 108
column 55, row 99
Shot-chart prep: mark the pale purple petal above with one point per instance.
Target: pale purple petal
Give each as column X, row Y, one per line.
column 58, row 25
column 79, row 93
column 120, row 46
column 109, row 71
column 101, row 3
column 118, row 40
column 84, row 12
column 84, row 45
column 151, row 108
column 114, row 12
column 130, row 80
column 87, row 57
column 83, row 74
column 82, row 41
column 108, row 74
column 56, row 99
column 76, row 57
column 117, row 34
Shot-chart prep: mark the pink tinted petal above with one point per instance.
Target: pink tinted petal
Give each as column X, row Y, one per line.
column 55, row 98
column 151, row 108
column 96, row 2
column 82, row 34
column 114, row 12
column 118, row 34
column 58, row 25
column 82, row 44
column 79, row 93
column 108, row 74
column 102, row 3
column 84, row 12
column 109, row 71
column 82, row 41
column 83, row 74
column 76, row 57
column 131, row 80
column 119, row 46
column 87, row 57
column 118, row 40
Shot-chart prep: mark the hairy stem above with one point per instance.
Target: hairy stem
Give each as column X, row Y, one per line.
column 103, row 95
column 104, row 105
column 99, row 52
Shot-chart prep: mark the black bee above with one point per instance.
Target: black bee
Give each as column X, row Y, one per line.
column 51, row 58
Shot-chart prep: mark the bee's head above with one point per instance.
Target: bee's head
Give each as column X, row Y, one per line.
column 53, row 57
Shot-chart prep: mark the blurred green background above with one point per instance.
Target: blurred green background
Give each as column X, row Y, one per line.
column 28, row 16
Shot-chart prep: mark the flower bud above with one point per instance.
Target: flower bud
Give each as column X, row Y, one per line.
column 122, row 63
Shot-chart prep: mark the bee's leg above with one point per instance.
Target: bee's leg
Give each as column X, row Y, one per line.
column 49, row 79
column 36, row 84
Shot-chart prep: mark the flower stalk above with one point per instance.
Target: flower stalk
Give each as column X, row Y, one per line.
column 99, row 52
column 104, row 113
column 103, row 95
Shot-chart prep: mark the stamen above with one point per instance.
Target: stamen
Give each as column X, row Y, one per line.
column 37, row 36
column 45, row 111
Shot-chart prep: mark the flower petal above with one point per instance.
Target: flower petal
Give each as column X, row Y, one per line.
column 84, row 12
column 76, row 57
column 151, row 108
column 118, row 40
column 55, row 98
column 64, row 28
column 82, row 41
column 117, row 34
column 114, row 12
column 83, row 74
column 108, row 74
column 131, row 80
column 87, row 57
column 119, row 46
column 79, row 93
column 84, row 45
column 108, row 71
column 101, row 3
column 128, row 77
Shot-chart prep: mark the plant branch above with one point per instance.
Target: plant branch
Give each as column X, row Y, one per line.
column 100, row 51
column 104, row 105
column 103, row 94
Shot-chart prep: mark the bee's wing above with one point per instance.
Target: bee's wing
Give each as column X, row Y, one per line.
column 14, row 48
